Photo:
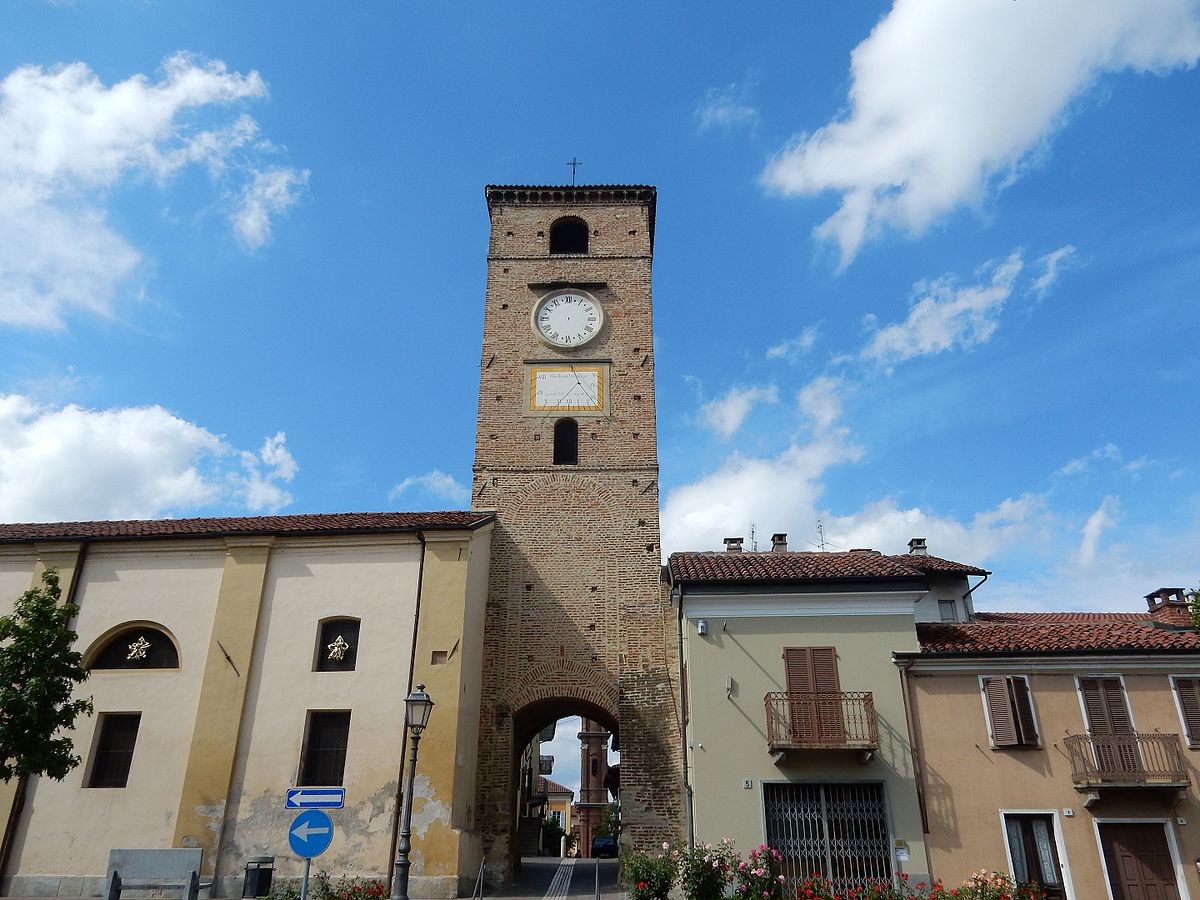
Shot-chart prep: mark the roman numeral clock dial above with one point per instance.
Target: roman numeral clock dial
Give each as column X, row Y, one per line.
column 567, row 319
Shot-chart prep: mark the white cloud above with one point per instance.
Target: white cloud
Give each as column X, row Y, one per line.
column 1093, row 529
column 949, row 101
column 773, row 492
column 1110, row 452
column 67, row 141
column 67, row 462
column 271, row 193
column 792, row 348
column 819, row 401
column 728, row 107
column 945, row 315
column 436, row 484
column 1052, row 265
column 726, row 414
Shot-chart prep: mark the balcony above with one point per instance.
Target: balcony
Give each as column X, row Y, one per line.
column 815, row 720
column 1125, row 761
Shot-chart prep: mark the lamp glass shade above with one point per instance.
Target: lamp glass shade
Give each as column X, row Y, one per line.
column 417, row 707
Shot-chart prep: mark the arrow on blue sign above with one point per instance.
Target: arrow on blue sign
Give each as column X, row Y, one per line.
column 315, row 798
column 310, row 833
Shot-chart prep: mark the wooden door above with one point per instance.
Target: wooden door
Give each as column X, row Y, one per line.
column 814, row 701
column 1111, row 727
column 1138, row 861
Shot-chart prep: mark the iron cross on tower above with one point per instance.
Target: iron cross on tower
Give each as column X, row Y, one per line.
column 574, row 164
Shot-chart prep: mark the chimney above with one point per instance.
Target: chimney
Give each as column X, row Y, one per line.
column 779, row 542
column 733, row 545
column 916, row 547
column 1170, row 606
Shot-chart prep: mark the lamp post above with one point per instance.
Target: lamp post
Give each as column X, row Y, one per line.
column 417, row 706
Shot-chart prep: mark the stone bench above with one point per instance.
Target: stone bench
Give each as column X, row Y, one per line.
column 175, row 869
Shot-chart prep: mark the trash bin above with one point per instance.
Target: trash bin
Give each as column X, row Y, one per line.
column 259, row 870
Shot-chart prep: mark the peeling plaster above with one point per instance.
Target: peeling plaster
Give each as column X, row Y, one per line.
column 431, row 811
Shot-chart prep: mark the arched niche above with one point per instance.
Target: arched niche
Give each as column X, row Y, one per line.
column 569, row 236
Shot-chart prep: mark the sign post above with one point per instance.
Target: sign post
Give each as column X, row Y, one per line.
column 309, row 835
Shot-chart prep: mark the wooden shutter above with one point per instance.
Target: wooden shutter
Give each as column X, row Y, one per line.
column 1000, row 712
column 816, row 715
column 1188, row 691
column 1104, row 701
column 1023, row 711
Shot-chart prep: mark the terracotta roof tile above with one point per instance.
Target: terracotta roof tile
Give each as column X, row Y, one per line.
column 546, row 786
column 1054, row 633
column 309, row 524
column 935, row 565
column 787, row 566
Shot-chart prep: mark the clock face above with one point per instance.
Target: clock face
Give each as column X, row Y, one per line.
column 567, row 319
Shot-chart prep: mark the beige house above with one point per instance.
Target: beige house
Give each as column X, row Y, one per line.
column 1062, row 747
column 796, row 730
column 232, row 659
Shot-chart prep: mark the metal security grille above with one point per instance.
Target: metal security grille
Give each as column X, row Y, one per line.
column 839, row 831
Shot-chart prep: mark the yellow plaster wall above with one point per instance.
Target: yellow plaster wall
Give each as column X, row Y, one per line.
column 727, row 733
column 968, row 783
column 445, row 856
column 210, row 758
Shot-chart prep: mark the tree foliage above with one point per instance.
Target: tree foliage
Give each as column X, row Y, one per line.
column 38, row 673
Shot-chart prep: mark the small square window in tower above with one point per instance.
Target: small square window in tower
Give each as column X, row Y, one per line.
column 569, row 235
column 566, row 442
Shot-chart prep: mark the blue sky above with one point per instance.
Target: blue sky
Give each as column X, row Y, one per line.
column 925, row 269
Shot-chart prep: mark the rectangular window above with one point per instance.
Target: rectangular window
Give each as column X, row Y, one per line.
column 1010, row 711
column 323, row 761
column 947, row 611
column 1034, row 854
column 117, row 733
column 1188, row 692
column 1110, row 725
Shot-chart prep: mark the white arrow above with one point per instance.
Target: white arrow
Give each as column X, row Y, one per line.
column 300, row 797
column 303, row 830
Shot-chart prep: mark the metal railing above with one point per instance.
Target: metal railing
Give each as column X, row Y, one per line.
column 821, row 720
column 1127, row 760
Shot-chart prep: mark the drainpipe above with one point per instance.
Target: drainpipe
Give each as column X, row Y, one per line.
column 412, row 661
column 18, row 803
column 683, row 722
column 913, row 745
column 971, row 590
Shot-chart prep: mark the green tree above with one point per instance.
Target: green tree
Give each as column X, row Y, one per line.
column 610, row 821
column 1194, row 607
column 38, row 673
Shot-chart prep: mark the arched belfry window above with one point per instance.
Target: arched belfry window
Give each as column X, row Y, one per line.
column 566, row 442
column 569, row 235
column 337, row 645
column 136, row 647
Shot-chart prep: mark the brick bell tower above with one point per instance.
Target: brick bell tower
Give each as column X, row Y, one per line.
column 566, row 454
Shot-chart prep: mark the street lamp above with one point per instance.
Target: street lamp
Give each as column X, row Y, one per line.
column 417, row 707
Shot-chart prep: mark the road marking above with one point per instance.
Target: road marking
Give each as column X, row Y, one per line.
column 561, row 882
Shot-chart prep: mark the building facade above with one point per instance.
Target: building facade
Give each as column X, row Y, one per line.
column 796, row 725
column 232, row 659
column 1062, row 747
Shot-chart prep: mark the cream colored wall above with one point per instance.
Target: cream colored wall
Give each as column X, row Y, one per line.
column 969, row 783
column 68, row 829
column 727, row 735
column 308, row 580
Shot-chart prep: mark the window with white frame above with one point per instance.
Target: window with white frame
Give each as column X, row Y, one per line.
column 1009, row 705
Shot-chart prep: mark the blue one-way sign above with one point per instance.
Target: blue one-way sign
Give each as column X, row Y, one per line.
column 310, row 833
column 315, row 798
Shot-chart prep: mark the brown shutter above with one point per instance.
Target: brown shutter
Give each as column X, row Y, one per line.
column 816, row 715
column 1004, row 725
column 1094, row 706
column 798, row 666
column 825, row 673
column 1188, row 691
column 1023, row 711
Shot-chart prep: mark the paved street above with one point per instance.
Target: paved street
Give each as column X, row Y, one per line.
column 557, row 879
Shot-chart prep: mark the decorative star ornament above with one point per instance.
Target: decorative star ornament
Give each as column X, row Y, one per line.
column 137, row 650
column 337, row 650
